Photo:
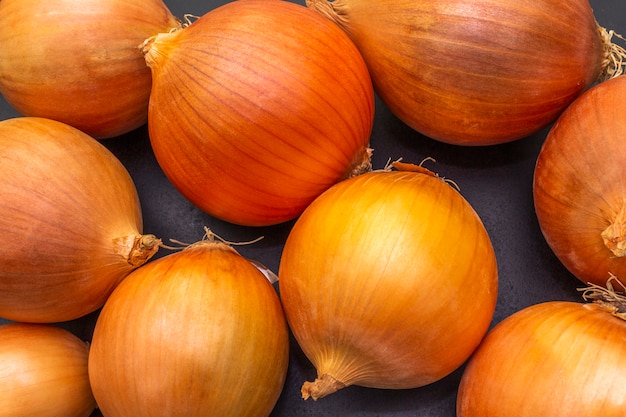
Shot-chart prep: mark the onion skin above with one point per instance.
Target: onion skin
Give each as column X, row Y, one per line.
column 388, row 280
column 200, row 332
column 474, row 72
column 77, row 61
column 251, row 125
column 552, row 359
column 71, row 220
column 578, row 191
column 43, row 372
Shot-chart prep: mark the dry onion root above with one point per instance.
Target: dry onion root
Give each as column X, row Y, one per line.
column 551, row 359
column 388, row 280
column 71, row 222
column 478, row 72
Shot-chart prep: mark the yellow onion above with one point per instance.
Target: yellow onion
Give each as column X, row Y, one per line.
column 554, row 359
column 43, row 372
column 200, row 332
column 70, row 218
column 579, row 192
column 256, row 108
column 77, row 61
column 388, row 280
column 477, row 72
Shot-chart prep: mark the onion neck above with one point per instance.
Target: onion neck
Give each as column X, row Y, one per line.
column 335, row 10
column 614, row 236
column 321, row 387
column 137, row 249
column 361, row 163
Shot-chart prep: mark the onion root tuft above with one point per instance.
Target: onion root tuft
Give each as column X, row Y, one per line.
column 321, row 387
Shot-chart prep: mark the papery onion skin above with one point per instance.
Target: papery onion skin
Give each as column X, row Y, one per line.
column 388, row 280
column 578, row 185
column 474, row 72
column 70, row 220
column 251, row 125
column 43, row 372
column 78, row 62
column 552, row 359
column 200, row 332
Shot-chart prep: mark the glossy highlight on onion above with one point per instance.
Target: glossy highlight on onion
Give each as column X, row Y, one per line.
column 70, row 220
column 200, row 332
column 477, row 72
column 578, row 185
column 78, row 61
column 252, row 124
column 388, row 280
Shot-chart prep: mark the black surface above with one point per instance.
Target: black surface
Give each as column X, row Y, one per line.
column 496, row 180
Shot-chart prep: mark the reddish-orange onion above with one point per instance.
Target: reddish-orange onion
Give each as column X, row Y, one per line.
column 70, row 218
column 77, row 61
column 43, row 372
column 579, row 188
column 552, row 359
column 477, row 72
column 388, row 280
column 252, row 124
column 196, row 333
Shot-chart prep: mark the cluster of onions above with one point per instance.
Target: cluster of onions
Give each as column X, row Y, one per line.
column 388, row 280
column 477, row 72
column 579, row 188
column 43, row 372
column 251, row 125
column 70, row 218
column 198, row 332
column 78, row 62
column 553, row 359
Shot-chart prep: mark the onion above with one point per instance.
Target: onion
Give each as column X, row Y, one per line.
column 252, row 124
column 554, row 359
column 388, row 280
column 477, row 72
column 76, row 61
column 579, row 191
column 43, row 372
column 70, row 218
column 199, row 332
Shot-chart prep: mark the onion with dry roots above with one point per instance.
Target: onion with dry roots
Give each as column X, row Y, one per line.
column 388, row 280
column 579, row 188
column 70, row 220
column 77, row 61
column 552, row 359
column 200, row 332
column 43, row 372
column 477, row 72
column 251, row 124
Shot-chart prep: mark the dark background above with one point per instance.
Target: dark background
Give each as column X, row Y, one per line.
column 496, row 180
